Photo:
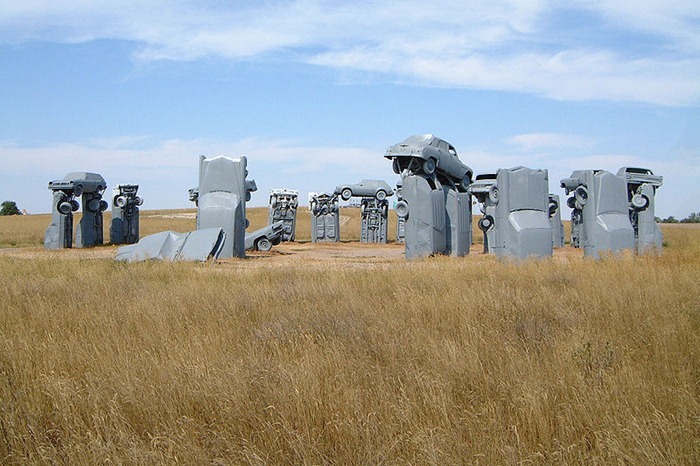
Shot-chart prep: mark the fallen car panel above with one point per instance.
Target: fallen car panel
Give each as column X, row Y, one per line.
column 199, row 245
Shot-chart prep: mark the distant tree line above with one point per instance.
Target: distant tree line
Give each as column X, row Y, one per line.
column 692, row 218
column 9, row 208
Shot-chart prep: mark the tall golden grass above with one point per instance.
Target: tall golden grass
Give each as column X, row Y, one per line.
column 437, row 361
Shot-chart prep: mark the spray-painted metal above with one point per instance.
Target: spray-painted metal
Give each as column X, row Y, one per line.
column 325, row 217
column 400, row 221
column 199, row 245
column 423, row 208
column 485, row 190
column 59, row 234
column 600, row 217
column 458, row 208
column 283, row 208
column 125, row 214
column 430, row 155
column 641, row 191
column 434, row 204
column 555, row 220
column 366, row 188
column 374, row 207
column 375, row 220
column 220, row 197
column 516, row 212
column 89, row 232
column 264, row 238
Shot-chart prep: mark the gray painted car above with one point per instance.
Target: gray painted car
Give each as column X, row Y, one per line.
column 429, row 154
column 365, row 188
column 264, row 238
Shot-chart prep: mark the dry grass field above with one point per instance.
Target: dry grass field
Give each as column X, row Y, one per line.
column 345, row 356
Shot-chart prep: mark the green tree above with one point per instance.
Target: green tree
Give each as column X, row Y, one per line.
column 9, row 208
column 692, row 218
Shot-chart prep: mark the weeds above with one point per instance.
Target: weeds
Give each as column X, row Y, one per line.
column 440, row 361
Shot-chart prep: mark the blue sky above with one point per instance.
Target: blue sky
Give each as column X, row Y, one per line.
column 313, row 92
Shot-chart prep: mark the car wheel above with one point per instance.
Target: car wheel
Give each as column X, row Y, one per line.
column 464, row 184
column 138, row 201
column 78, row 190
column 381, row 195
column 429, row 166
column 581, row 195
column 401, row 209
column 65, row 207
column 263, row 244
column 75, row 205
column 396, row 165
column 640, row 201
column 120, row 201
column 571, row 203
column 93, row 205
column 485, row 223
column 103, row 205
column 494, row 195
column 346, row 194
column 553, row 207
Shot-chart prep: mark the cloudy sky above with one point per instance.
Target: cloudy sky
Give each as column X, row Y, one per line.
column 314, row 91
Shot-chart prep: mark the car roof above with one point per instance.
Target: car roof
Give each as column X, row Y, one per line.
column 420, row 138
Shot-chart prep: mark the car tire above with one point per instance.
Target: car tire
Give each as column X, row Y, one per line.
column 464, row 184
column 120, row 201
column 571, row 202
column 381, row 195
column 103, row 205
column 75, row 205
column 93, row 205
column 65, row 207
column 640, row 202
column 494, row 195
column 396, row 166
column 429, row 166
column 346, row 194
column 553, row 208
column 78, row 190
column 263, row 244
column 401, row 209
column 581, row 195
column 485, row 223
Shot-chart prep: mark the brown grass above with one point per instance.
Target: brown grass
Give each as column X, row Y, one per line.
column 438, row 361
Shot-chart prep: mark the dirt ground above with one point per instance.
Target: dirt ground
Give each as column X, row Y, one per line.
column 287, row 255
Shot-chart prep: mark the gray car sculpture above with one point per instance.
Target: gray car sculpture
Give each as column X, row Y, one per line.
column 264, row 238
column 89, row 232
column 365, row 188
column 429, row 154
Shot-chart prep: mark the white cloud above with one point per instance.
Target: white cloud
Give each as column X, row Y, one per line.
column 166, row 169
column 504, row 45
